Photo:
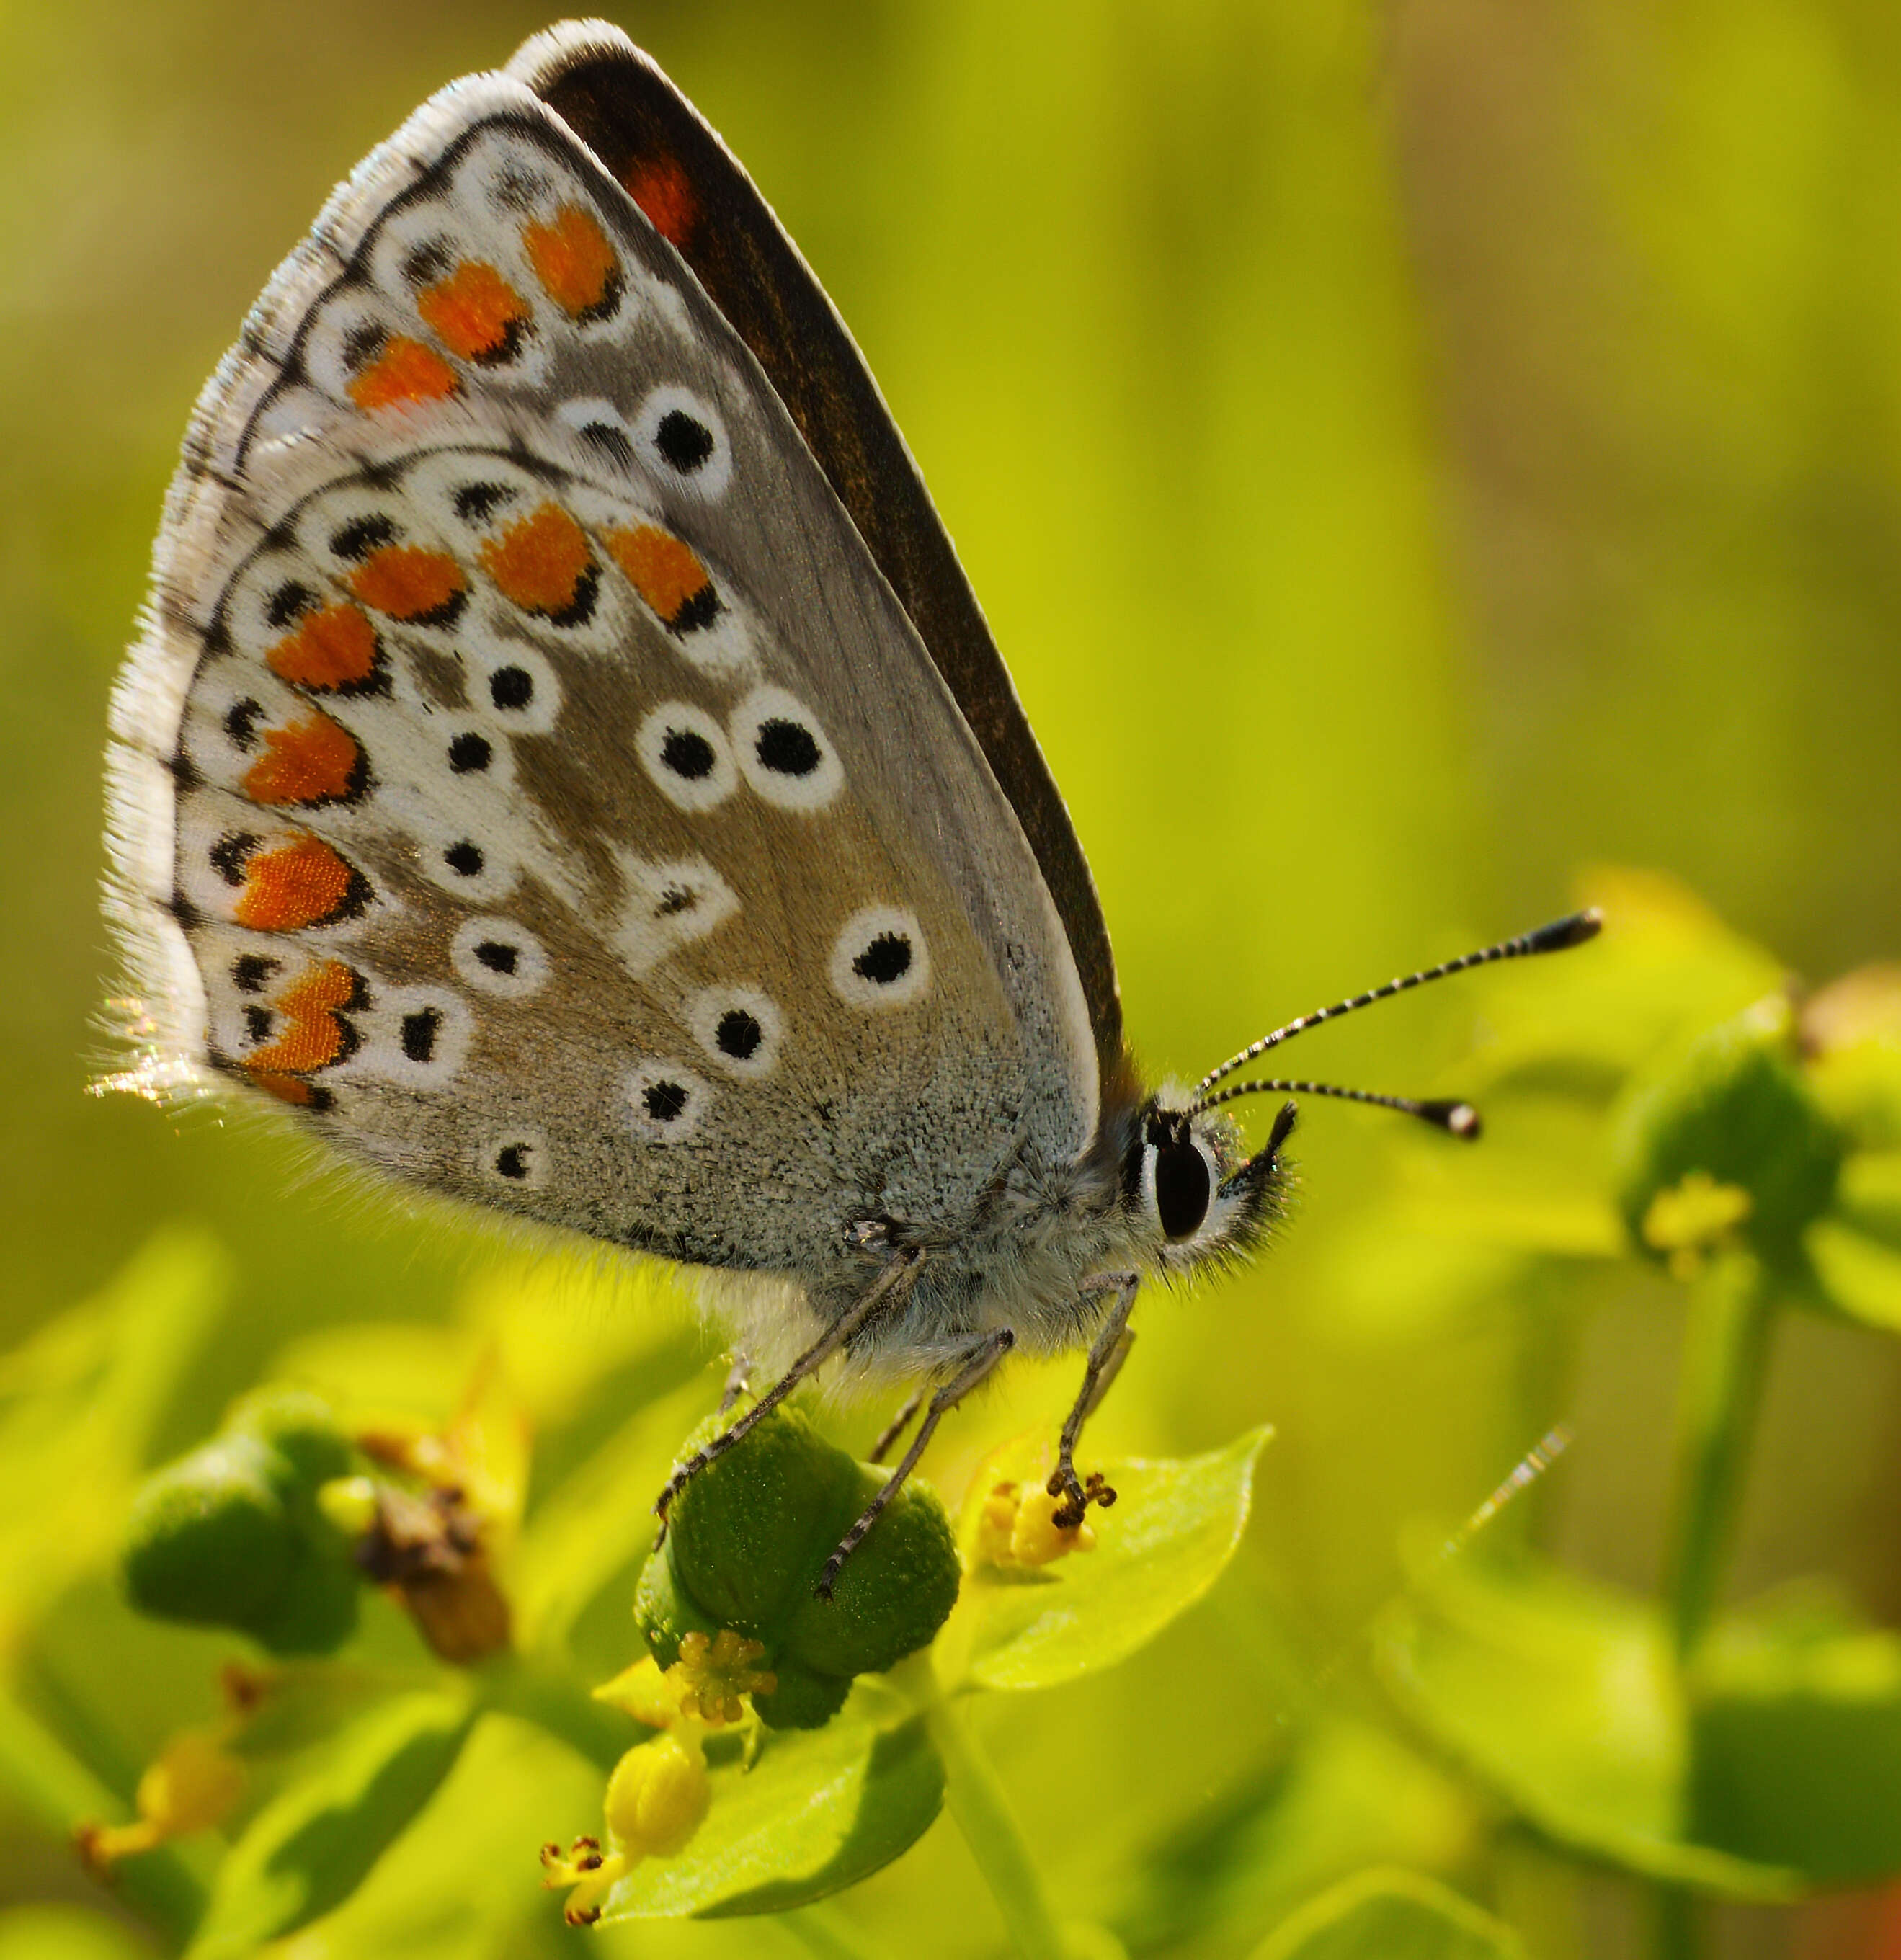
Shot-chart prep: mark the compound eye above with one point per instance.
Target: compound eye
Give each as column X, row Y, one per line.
column 1184, row 1188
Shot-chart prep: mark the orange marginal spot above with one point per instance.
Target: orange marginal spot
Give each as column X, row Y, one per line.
column 290, row 1089
column 315, row 760
column 540, row 561
column 335, row 648
column 579, row 270
column 474, row 312
column 664, row 191
column 405, row 371
column 300, row 883
column 666, row 573
column 409, row 582
column 314, row 1038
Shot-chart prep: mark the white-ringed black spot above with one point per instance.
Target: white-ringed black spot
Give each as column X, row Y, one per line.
column 605, row 439
column 229, row 854
column 886, row 960
column 419, row 1032
column 475, row 503
column 469, row 753
column 786, row 748
column 687, row 753
column 665, row 1101
column 361, row 343
column 511, row 688
column 511, row 1162
column 738, row 1035
column 676, row 899
column 290, row 601
column 684, row 441
column 362, row 536
column 464, row 858
column 424, row 264
column 240, row 721
column 498, row 955
column 250, row 970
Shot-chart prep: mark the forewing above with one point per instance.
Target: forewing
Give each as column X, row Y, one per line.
column 528, row 774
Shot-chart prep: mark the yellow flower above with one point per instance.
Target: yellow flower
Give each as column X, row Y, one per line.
column 712, row 1674
column 1692, row 1218
column 191, row 1786
column 1018, row 1527
column 657, row 1799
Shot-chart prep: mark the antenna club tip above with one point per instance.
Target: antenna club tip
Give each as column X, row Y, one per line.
column 1456, row 1119
column 1565, row 932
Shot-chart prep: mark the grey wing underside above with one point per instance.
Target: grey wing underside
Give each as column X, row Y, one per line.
column 634, row 905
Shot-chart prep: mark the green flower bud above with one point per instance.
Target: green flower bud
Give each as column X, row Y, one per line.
column 233, row 1534
column 1727, row 1138
column 747, row 1540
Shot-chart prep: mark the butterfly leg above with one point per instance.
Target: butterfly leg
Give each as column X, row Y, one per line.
column 898, row 1423
column 1106, row 1354
column 737, row 1376
column 978, row 1361
column 898, row 1274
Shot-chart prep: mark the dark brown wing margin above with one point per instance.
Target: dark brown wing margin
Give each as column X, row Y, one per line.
column 654, row 143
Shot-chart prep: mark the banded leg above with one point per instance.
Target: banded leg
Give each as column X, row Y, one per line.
column 896, row 1278
column 738, row 1377
column 977, row 1362
column 898, row 1423
column 1106, row 1354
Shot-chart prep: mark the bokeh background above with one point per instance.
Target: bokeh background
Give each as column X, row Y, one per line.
column 1410, row 454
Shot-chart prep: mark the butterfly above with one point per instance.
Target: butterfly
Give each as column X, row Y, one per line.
column 565, row 768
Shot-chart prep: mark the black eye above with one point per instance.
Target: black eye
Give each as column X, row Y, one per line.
column 1182, row 1188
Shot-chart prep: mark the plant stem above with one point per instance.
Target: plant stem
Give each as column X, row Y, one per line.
column 1732, row 1314
column 982, row 1813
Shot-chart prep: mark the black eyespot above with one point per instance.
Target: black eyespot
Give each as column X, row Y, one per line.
column 240, row 722
column 683, row 440
column 465, row 859
column 361, row 343
column 511, row 687
column 605, row 439
column 419, row 1031
column 676, row 898
column 786, row 748
column 1183, row 1187
column 738, row 1034
column 423, row 264
column 288, row 602
column 666, row 1102
column 886, row 959
column 229, row 853
column 511, row 1161
column 250, row 970
column 257, row 1023
column 362, row 536
column 498, row 955
column 467, row 752
column 687, row 754
column 475, row 501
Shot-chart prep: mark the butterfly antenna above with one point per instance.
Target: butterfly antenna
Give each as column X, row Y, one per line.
column 1557, row 937
column 1456, row 1118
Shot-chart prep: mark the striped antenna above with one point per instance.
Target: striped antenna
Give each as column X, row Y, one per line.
column 1556, row 937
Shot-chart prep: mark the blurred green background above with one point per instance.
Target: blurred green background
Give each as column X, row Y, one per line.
column 1409, row 454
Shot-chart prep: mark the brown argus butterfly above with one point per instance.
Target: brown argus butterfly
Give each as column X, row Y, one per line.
column 565, row 767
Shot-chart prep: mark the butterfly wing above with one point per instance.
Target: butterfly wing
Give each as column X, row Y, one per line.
column 654, row 141
column 528, row 775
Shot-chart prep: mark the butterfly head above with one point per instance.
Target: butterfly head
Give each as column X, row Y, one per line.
column 1199, row 1194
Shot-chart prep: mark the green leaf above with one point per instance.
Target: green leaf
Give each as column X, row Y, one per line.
column 1390, row 1915
column 1796, row 1749
column 1563, row 1699
column 307, row 1849
column 818, row 1810
column 1169, row 1535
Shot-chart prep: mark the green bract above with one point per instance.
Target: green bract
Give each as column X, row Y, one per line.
column 231, row 1536
column 748, row 1540
column 1733, row 1108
